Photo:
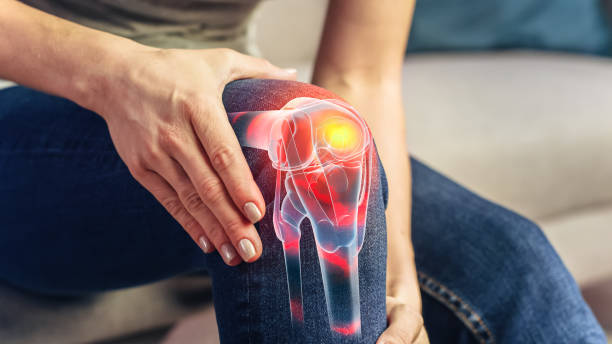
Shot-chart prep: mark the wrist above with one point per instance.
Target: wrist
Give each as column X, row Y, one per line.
column 359, row 84
column 406, row 289
column 356, row 79
column 103, row 69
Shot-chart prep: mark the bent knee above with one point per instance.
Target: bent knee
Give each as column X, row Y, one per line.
column 268, row 94
column 252, row 95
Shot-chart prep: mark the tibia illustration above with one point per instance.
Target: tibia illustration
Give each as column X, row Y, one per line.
column 322, row 151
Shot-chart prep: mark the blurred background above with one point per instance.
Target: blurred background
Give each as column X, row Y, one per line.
column 512, row 99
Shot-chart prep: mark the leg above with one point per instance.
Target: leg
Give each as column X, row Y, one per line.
column 73, row 220
column 256, row 295
column 488, row 275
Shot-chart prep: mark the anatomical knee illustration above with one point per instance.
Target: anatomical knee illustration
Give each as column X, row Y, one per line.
column 322, row 151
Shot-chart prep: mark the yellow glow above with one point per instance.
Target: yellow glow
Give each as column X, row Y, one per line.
column 341, row 136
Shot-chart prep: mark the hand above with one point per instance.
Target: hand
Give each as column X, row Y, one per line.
column 405, row 324
column 167, row 121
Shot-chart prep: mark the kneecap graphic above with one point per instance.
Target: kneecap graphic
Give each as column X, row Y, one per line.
column 322, row 151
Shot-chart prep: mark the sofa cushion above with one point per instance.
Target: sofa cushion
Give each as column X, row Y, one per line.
column 532, row 131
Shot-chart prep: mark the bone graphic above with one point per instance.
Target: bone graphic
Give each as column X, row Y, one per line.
column 322, row 151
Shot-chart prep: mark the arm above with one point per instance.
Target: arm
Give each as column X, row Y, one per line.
column 360, row 58
column 53, row 55
column 164, row 113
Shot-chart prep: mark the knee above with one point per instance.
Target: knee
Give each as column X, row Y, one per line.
column 268, row 94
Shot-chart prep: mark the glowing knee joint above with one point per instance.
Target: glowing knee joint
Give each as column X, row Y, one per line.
column 322, row 151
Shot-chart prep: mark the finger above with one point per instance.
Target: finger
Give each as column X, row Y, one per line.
column 168, row 198
column 397, row 337
column 223, row 179
column 244, row 66
column 191, row 200
column 405, row 327
column 422, row 337
column 222, row 151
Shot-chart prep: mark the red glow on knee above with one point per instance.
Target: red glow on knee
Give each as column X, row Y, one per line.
column 292, row 247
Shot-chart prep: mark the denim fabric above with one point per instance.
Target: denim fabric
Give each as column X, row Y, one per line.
column 492, row 269
column 73, row 220
column 566, row 25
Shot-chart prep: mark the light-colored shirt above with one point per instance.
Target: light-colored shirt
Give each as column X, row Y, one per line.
column 184, row 24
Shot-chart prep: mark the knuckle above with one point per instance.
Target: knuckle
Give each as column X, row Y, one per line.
column 189, row 105
column 192, row 201
column 210, row 189
column 152, row 155
column 234, row 228
column 222, row 158
column 197, row 110
column 170, row 139
column 137, row 169
column 173, row 206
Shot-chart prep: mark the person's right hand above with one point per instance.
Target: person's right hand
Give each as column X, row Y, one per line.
column 167, row 122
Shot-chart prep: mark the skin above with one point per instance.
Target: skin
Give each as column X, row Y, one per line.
column 360, row 58
column 171, row 130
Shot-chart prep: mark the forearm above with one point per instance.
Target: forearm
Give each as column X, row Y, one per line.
column 360, row 58
column 47, row 53
column 389, row 134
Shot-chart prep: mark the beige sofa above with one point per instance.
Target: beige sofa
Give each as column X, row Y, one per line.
column 532, row 131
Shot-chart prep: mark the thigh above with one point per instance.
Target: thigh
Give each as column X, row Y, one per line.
column 488, row 275
column 252, row 300
column 72, row 219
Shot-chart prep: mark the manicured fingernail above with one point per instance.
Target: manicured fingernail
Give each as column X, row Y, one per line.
column 228, row 252
column 205, row 244
column 252, row 212
column 247, row 250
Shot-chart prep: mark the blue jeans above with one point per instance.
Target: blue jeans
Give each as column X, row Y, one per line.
column 73, row 220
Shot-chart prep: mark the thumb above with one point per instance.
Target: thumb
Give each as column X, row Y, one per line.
column 396, row 335
column 406, row 326
column 245, row 66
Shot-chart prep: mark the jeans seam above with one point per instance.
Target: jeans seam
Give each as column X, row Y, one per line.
column 464, row 312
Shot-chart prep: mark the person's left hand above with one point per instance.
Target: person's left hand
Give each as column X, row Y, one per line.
column 405, row 325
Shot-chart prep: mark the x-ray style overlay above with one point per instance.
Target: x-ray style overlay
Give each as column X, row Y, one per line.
column 322, row 151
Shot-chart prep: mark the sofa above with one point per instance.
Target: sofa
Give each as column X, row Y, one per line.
column 529, row 130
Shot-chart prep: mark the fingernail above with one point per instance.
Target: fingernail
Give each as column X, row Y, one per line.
column 290, row 70
column 228, row 252
column 247, row 249
column 205, row 244
column 252, row 212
